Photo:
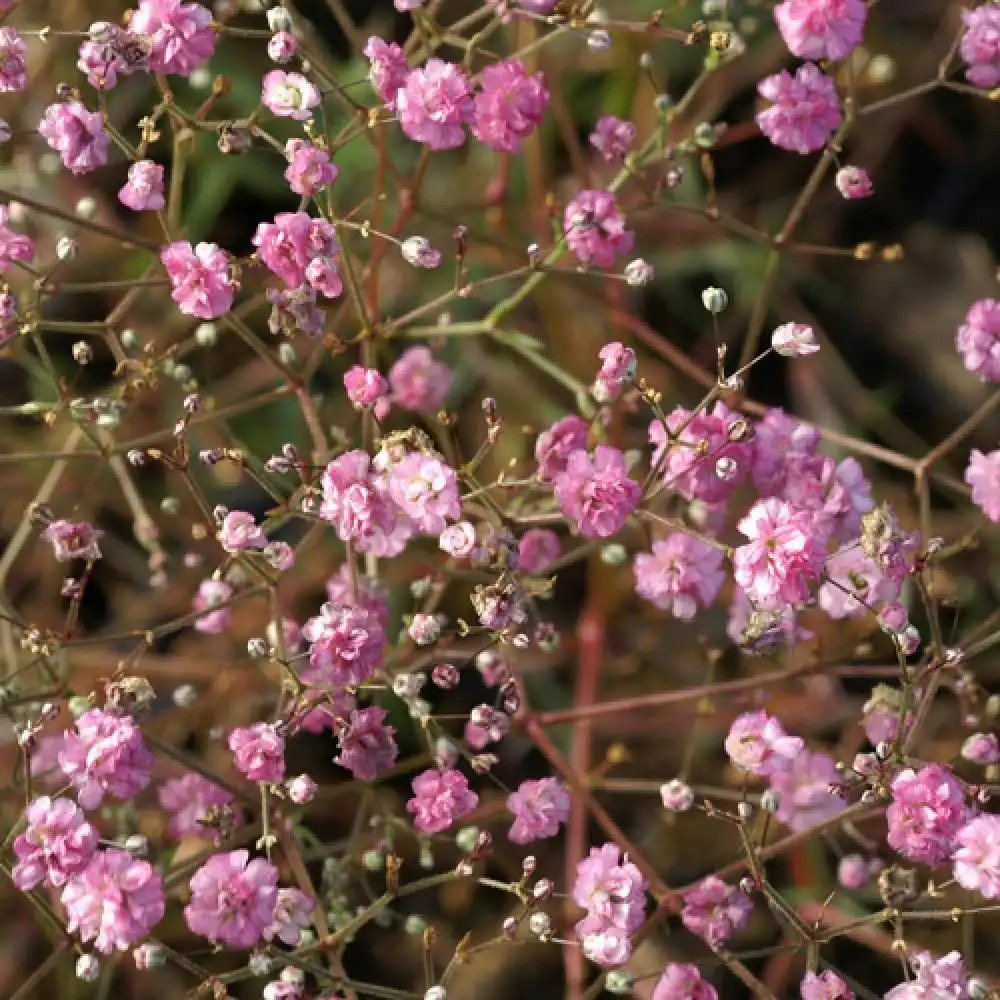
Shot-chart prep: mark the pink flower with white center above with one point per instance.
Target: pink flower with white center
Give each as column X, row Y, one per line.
column 714, row 910
column 794, row 340
column 612, row 138
column 212, row 619
column 143, row 192
column 367, row 744
column 292, row 915
column 281, row 47
column 365, row 386
column 426, row 490
column 595, row 230
column 806, row 790
column 309, row 168
column 539, row 809
column 73, row 540
column 778, row 439
column 821, row 29
column 240, row 531
column 233, row 899
column 57, row 842
column 288, row 245
column 387, row 69
column 934, row 979
column 981, row 748
column 13, row 245
column 346, row 646
column 983, row 475
column 618, row 368
column 928, row 809
column 114, row 902
column 555, row 445
column 596, row 492
column 259, row 752
column 419, row 381
column 302, row 789
column 978, row 339
column 758, row 743
column 826, row 985
column 105, row 755
column 976, row 857
column 202, row 283
column 805, row 109
column 680, row 575
column 181, row 36
column 856, row 583
column 980, row 45
column 355, row 504
column 13, row 60
column 782, row 557
column 537, row 550
column 289, row 95
column 509, row 105
column 611, row 889
column 439, row 798
column 853, row 183
column 459, row 540
column 434, row 104
column 709, row 460
column 190, row 799
column 76, row 134
column 681, row 981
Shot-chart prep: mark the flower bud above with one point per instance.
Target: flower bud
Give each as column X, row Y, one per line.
column 714, row 300
column 87, row 968
column 301, row 789
column 149, row 956
column 676, row 795
column 418, row 251
column 66, row 248
column 618, row 982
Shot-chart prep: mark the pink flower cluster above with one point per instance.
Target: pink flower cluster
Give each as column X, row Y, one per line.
column 439, row 798
column 613, row 892
column 539, row 809
column 927, row 811
column 714, row 910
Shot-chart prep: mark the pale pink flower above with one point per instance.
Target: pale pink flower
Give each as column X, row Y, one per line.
column 854, row 870
column 202, row 283
column 805, row 109
column 435, row 103
column 758, row 743
column 439, row 798
column 806, row 790
column 73, row 540
column 613, row 892
column 13, row 245
column 290, row 244
column 419, row 381
column 976, row 856
column 595, row 229
column 612, row 138
column 180, row 35
column 458, row 540
column 980, row 45
column 555, row 445
column 13, row 60
column 387, row 69
column 983, row 475
column 365, row 386
column 853, row 183
column 114, row 902
column 539, row 809
column 302, row 789
column 537, row 550
column 681, row 981
column 239, row 531
column 367, row 744
column 233, row 899
column 714, row 910
column 76, row 134
column 779, row 440
column 618, row 368
column 821, row 29
column 934, row 979
column 928, row 809
column 212, row 619
column 596, row 492
column 190, row 799
column 978, row 338
column 292, row 915
column 509, row 105
column 57, row 842
column 259, row 752
column 981, row 748
column 282, row 47
column 143, row 192
column 794, row 340
column 680, row 575
column 826, row 985
column 856, row 583
column 426, row 489
column 289, row 95
column 309, row 168
column 346, row 646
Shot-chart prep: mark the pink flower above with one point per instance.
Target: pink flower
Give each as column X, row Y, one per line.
column 13, row 245
column 365, row 386
column 681, row 981
column 596, row 492
column 105, row 755
column 612, row 138
column 356, row 504
column 367, row 744
column 509, row 105
column 190, row 799
column 426, row 490
column 681, row 574
column 346, row 646
column 805, row 109
column 290, row 245
column 538, row 549
column 618, row 367
column 458, row 540
column 302, row 789
column 371, row 597
column 794, row 340
column 983, row 475
column 978, row 338
column 806, row 790
column 57, row 842
column 419, row 382
column 783, row 555
column 853, row 183
column 281, row 47
column 854, row 870
column 779, row 439
column 928, row 809
column 439, row 798
column 211, row 594
column 181, row 37
column 821, row 29
column 13, row 60
column 202, row 283
column 387, row 70
column 934, row 979
column 289, row 95
column 555, row 445
column 827, row 985
column 613, row 892
column 240, row 531
column 980, row 46
column 539, row 809
column 114, row 902
column 714, row 910
column 976, row 856
column 119, row 52
column 434, row 103
column 259, row 752
column 758, row 743
column 76, row 134
column 233, row 899
column 857, row 583
column 292, row 915
column 309, row 168
column 981, row 748
column 594, row 228
column 73, row 540
column 881, row 714
column 144, row 190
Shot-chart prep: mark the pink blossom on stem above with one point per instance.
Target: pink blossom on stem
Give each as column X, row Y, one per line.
column 555, row 445
column 434, row 104
column 794, row 340
column 779, row 440
column 826, row 985
column 282, row 47
column 387, row 69
column 212, row 619
column 57, row 842
column 292, row 915
column 934, row 979
column 978, row 339
column 309, row 168
column 758, row 743
column 680, row 575
column 180, row 35
column 853, row 183
column 426, row 489
column 259, row 752
column 365, row 386
column 983, row 475
column 821, row 29
column 596, row 492
column 980, row 45
column 805, row 109
column 856, row 584
column 289, row 95
column 458, row 540
column 202, row 283
column 976, row 856
column 76, row 134
column 143, row 191
column 189, row 801
column 981, row 748
column 595, row 229
column 537, row 550
column 807, row 790
column 618, row 368
column 239, row 531
column 419, row 381
column 928, row 809
column 439, row 798
column 613, row 138
column 509, row 105
column 714, row 910
column 291, row 243
column 73, row 540
column 682, row 981
column 539, row 809
column 367, row 744
column 346, row 646
column 13, row 60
